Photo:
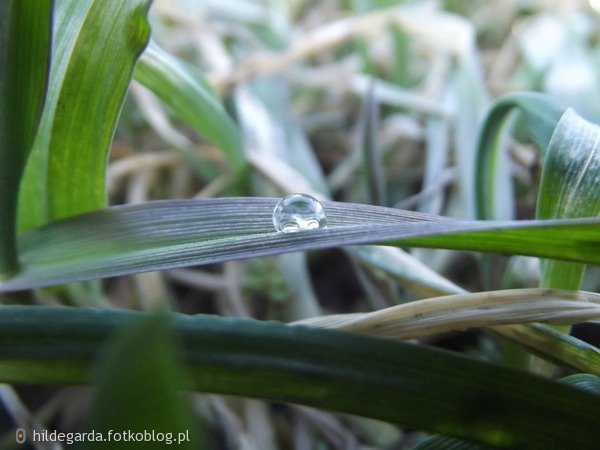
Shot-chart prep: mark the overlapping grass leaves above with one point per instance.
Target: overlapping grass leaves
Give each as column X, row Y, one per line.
column 25, row 35
column 396, row 382
column 176, row 233
column 96, row 45
column 569, row 147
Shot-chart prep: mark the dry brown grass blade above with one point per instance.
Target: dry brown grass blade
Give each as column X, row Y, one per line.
column 457, row 312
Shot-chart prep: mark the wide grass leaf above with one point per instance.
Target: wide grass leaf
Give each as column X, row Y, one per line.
column 396, row 382
column 176, row 233
column 25, row 29
column 96, row 44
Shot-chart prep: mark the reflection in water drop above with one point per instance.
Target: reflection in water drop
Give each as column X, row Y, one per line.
column 299, row 212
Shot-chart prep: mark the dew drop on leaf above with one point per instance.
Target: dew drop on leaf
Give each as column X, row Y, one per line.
column 298, row 212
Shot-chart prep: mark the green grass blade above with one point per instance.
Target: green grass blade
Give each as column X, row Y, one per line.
column 176, row 233
column 541, row 114
column 138, row 382
column 25, row 30
column 552, row 345
column 96, row 46
column 582, row 381
column 184, row 89
column 396, row 382
column 569, row 188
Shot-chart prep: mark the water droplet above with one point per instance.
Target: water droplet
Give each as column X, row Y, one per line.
column 299, row 212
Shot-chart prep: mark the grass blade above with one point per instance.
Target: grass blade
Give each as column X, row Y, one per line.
column 401, row 383
column 25, row 29
column 176, row 233
column 573, row 157
column 541, row 114
column 96, row 46
column 368, row 127
column 457, row 312
column 127, row 397
column 553, row 345
column 406, row 269
column 184, row 89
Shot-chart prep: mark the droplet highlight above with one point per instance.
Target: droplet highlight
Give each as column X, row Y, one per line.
column 298, row 212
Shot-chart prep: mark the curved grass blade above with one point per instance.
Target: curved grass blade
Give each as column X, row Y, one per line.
column 25, row 30
column 458, row 312
column 176, row 233
column 184, row 89
column 541, row 114
column 396, row 382
column 568, row 188
column 97, row 43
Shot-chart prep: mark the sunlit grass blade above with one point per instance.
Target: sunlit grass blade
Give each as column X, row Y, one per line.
column 457, row 312
column 175, row 233
column 396, row 382
column 25, row 34
column 96, row 44
column 186, row 92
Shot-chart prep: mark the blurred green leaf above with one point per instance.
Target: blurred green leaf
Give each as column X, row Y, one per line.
column 396, row 382
column 139, row 381
column 184, row 89
column 175, row 233
column 25, row 30
column 96, row 44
